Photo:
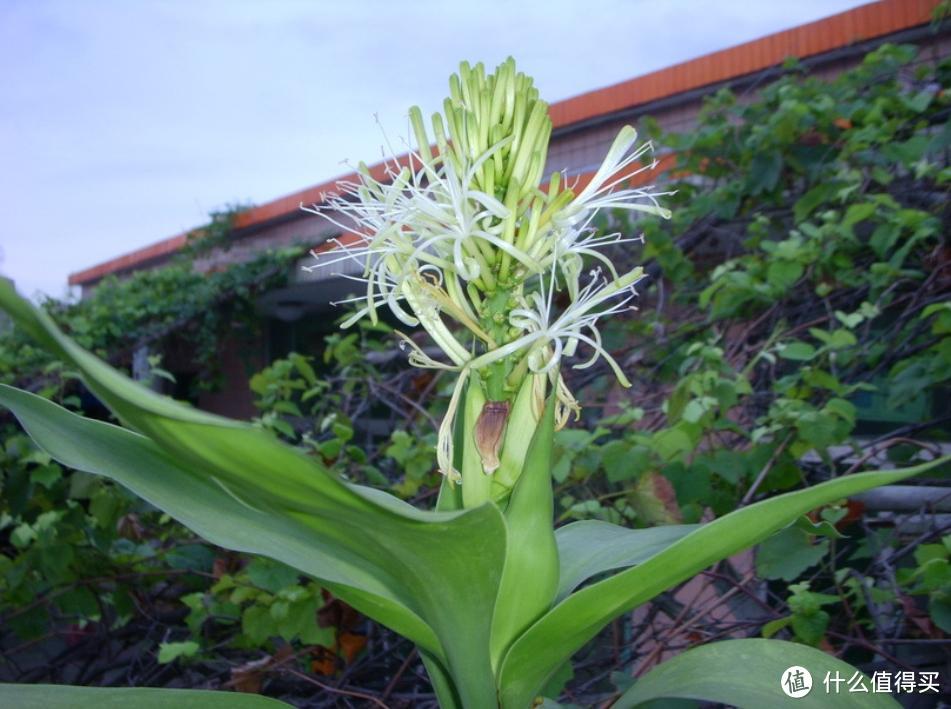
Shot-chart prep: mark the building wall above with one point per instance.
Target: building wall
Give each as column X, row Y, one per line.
column 239, row 359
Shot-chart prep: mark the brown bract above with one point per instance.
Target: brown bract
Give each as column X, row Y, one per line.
column 490, row 427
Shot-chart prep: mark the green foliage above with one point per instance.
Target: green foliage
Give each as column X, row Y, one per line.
column 573, row 622
column 413, row 456
column 799, row 315
column 77, row 550
column 830, row 322
column 261, row 602
column 76, row 546
column 433, row 577
column 177, row 304
column 169, row 652
column 310, row 410
column 808, row 620
column 801, row 303
column 931, row 578
column 788, row 554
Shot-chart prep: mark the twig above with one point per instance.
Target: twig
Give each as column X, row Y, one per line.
column 391, row 685
column 765, row 471
column 336, row 690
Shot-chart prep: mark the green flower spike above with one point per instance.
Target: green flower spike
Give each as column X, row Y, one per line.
column 460, row 239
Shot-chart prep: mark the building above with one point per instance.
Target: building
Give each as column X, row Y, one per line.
column 584, row 127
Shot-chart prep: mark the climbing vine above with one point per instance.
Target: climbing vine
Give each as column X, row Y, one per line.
column 152, row 307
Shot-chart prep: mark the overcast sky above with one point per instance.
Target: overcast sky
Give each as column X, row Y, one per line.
column 124, row 122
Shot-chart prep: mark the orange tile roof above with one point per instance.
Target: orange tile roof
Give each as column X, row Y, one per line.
column 856, row 25
column 849, row 27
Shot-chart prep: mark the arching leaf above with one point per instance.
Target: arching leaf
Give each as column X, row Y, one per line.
column 545, row 646
column 590, row 547
column 749, row 674
column 56, row 696
column 443, row 568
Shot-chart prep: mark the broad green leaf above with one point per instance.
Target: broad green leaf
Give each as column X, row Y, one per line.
column 57, row 696
column 257, row 624
column 939, row 607
column 397, row 570
column 577, row 619
column 783, row 274
column 811, row 627
column 748, row 674
column 672, row 442
column 421, row 558
column 207, row 508
column 590, row 547
column 530, row 575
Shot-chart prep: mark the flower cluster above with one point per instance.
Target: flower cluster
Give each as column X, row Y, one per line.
column 457, row 236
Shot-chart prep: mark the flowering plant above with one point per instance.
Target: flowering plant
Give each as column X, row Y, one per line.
column 458, row 239
column 460, row 231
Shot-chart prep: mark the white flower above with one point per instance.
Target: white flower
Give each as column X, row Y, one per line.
column 548, row 338
column 601, row 193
